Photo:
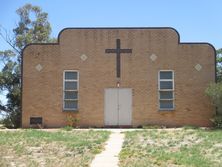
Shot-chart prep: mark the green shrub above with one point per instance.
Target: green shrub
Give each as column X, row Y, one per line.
column 7, row 122
column 72, row 120
column 217, row 121
column 214, row 91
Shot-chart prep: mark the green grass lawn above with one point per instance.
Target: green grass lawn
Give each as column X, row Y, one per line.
column 170, row 148
column 52, row 149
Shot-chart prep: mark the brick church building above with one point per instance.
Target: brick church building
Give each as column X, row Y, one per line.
column 111, row 77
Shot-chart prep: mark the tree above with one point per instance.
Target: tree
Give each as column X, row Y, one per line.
column 219, row 65
column 29, row 29
column 214, row 91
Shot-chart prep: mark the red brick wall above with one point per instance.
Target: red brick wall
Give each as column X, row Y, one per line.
column 43, row 90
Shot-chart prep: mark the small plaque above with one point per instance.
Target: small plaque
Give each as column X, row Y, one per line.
column 153, row 57
column 38, row 67
column 198, row 67
column 83, row 57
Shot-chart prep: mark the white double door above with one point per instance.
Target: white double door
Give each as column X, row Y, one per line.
column 118, row 106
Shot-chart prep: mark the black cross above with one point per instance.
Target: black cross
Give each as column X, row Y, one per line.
column 118, row 51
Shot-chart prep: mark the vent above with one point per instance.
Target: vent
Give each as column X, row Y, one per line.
column 35, row 120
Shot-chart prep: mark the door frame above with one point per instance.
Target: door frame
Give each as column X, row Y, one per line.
column 104, row 111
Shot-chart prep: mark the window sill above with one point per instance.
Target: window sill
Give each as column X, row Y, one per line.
column 166, row 110
column 70, row 110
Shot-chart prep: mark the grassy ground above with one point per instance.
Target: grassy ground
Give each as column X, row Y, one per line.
column 40, row 148
column 179, row 147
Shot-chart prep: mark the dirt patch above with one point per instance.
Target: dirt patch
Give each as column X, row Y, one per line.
column 58, row 148
column 172, row 147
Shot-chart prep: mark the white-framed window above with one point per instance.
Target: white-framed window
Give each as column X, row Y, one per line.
column 70, row 89
column 166, row 89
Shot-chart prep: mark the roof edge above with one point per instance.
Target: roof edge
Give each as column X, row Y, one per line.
column 115, row 28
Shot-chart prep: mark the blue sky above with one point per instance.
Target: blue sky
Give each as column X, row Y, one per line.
column 195, row 20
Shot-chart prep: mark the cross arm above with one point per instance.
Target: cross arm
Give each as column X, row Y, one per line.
column 126, row 50
column 110, row 51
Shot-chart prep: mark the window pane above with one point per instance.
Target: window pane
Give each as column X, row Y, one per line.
column 166, row 104
column 71, row 105
column 71, row 75
column 71, row 85
column 166, row 85
column 71, row 95
column 166, row 75
column 166, row 95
